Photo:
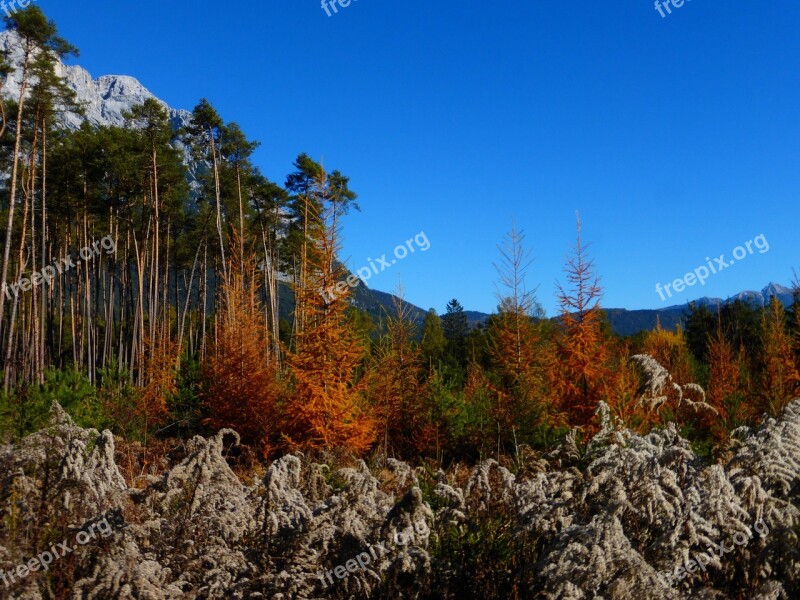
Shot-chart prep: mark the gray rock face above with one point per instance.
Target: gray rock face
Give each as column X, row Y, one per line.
column 104, row 98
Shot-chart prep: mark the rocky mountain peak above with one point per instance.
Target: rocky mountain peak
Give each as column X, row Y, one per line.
column 104, row 98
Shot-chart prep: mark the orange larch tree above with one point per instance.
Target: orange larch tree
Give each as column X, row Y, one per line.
column 582, row 376
column 518, row 352
column 726, row 390
column 241, row 385
column 796, row 319
column 394, row 385
column 779, row 375
column 160, row 380
column 325, row 408
column 623, row 398
column 669, row 348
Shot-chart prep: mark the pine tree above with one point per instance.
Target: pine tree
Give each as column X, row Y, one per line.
column 163, row 180
column 269, row 202
column 39, row 38
column 306, row 208
column 204, row 134
column 236, row 151
column 456, row 328
column 700, row 325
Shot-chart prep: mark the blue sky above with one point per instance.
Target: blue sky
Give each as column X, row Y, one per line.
column 676, row 138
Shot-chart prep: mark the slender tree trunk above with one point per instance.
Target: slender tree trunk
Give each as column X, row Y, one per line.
column 205, row 304
column 241, row 216
column 48, row 292
column 189, row 293
column 218, row 197
column 12, row 196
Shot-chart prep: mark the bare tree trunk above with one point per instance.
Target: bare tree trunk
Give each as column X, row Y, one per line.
column 189, row 293
column 156, row 259
column 218, row 197
column 241, row 216
column 140, row 314
column 21, row 265
column 14, row 171
column 34, row 345
column 205, row 304
column 48, row 292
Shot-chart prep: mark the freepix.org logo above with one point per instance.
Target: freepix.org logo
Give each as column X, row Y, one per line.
column 664, row 5
column 48, row 273
column 703, row 272
column 12, row 6
column 328, row 5
column 365, row 273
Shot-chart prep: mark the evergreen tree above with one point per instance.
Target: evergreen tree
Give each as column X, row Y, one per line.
column 236, row 151
column 269, row 203
column 433, row 342
column 204, row 134
column 456, row 328
column 38, row 37
column 700, row 325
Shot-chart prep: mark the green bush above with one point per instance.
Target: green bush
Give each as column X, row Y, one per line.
column 26, row 409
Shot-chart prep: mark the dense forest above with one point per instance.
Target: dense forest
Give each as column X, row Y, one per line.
column 158, row 288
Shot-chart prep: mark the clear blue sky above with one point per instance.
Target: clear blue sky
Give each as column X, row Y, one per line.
column 677, row 138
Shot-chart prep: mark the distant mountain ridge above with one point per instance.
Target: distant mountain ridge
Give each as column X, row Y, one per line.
column 627, row 322
column 623, row 321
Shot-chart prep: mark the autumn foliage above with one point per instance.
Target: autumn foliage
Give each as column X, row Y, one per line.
column 325, row 406
column 160, row 369
column 519, row 352
column 395, row 388
column 725, row 387
column 581, row 377
column 779, row 375
column 669, row 348
column 242, row 384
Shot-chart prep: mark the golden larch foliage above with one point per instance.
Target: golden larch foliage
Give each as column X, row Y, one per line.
column 779, row 374
column 395, row 389
column 160, row 379
column 325, row 408
column 670, row 350
column 725, row 391
column 581, row 377
column 241, row 384
column 519, row 358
